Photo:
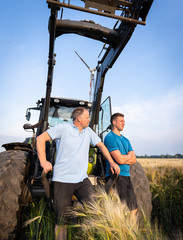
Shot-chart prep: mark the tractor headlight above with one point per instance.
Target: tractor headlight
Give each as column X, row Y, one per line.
column 82, row 103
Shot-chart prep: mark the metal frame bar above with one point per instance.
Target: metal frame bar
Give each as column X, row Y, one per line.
column 131, row 20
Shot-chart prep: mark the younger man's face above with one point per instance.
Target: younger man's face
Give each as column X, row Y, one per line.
column 119, row 123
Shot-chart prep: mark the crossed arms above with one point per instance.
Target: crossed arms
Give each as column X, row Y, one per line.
column 129, row 159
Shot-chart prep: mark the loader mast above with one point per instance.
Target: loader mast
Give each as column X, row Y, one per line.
column 132, row 12
column 51, row 63
column 125, row 30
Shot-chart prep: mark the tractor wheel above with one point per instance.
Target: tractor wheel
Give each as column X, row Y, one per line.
column 12, row 174
column 141, row 189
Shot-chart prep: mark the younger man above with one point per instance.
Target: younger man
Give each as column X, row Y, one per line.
column 123, row 154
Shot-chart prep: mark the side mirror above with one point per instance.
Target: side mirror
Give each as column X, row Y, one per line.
column 28, row 115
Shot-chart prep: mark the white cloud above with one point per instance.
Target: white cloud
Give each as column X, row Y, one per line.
column 157, row 122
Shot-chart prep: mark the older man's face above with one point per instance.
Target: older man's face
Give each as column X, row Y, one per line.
column 84, row 119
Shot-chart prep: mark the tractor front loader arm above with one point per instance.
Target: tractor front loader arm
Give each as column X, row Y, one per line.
column 51, row 63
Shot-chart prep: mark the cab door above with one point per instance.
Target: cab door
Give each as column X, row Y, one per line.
column 104, row 118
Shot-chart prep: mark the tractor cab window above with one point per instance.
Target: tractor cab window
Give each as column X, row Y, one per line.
column 59, row 114
column 104, row 118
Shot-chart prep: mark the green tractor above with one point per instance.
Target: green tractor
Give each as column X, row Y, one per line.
column 21, row 177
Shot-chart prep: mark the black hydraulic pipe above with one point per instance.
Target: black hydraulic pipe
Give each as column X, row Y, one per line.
column 51, row 62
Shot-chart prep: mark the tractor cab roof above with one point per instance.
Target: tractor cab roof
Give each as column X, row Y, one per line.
column 67, row 102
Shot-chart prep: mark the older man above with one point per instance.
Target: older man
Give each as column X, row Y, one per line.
column 70, row 170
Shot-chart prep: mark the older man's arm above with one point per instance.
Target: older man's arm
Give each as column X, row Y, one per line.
column 113, row 166
column 41, row 141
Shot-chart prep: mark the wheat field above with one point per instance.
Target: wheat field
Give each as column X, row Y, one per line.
column 166, row 183
column 161, row 162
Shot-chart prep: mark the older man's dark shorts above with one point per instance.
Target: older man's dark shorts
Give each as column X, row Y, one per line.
column 63, row 193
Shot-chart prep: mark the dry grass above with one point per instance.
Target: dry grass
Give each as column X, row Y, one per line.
column 109, row 219
column 161, row 162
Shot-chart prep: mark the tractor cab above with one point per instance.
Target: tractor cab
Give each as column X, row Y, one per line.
column 60, row 110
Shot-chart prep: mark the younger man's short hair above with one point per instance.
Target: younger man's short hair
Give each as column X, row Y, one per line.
column 114, row 116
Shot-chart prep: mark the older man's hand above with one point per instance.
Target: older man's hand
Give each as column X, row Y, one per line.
column 115, row 168
column 47, row 166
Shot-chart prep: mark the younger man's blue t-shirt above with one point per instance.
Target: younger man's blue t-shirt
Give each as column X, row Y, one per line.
column 115, row 142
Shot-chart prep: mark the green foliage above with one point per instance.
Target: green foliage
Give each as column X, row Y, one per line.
column 167, row 190
column 39, row 221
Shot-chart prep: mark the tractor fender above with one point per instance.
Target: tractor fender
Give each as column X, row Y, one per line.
column 17, row 146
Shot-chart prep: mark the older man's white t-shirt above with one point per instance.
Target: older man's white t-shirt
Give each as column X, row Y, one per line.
column 72, row 152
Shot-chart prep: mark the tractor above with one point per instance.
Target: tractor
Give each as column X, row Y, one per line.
column 21, row 176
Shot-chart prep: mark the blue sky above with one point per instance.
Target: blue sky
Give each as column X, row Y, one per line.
column 145, row 83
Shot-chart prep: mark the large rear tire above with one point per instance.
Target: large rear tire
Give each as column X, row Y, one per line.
column 12, row 177
column 141, row 189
